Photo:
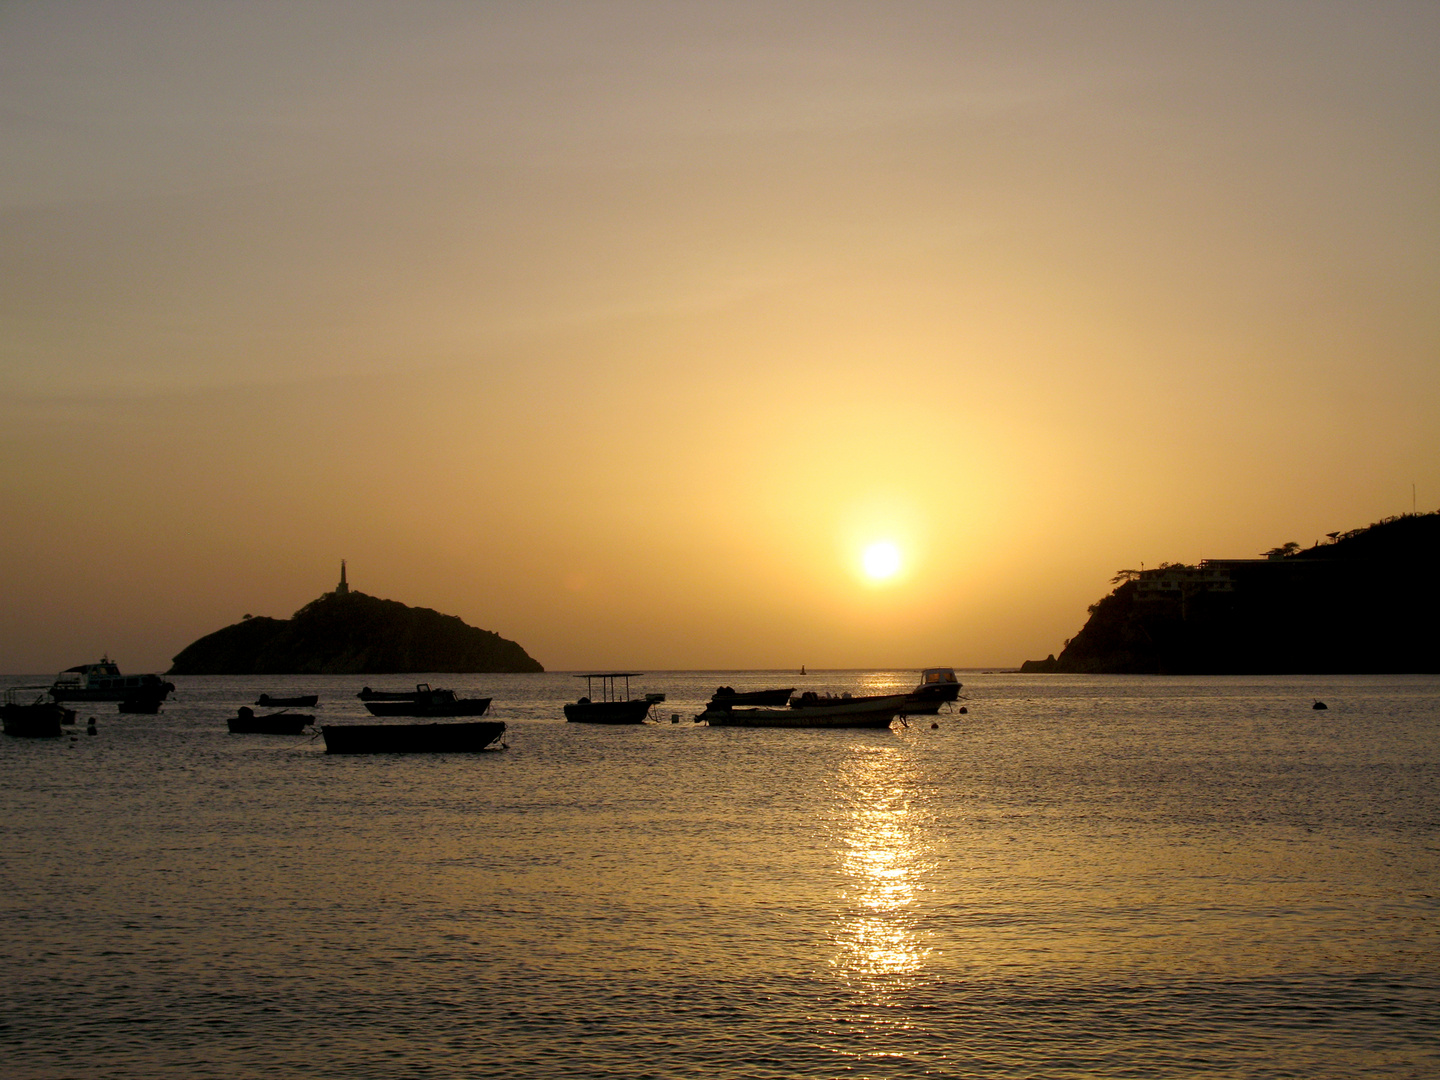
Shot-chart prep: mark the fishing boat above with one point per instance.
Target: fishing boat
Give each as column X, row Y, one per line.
column 299, row 701
column 727, row 696
column 25, row 718
column 410, row 738
column 428, row 702
column 281, row 723
column 103, row 682
column 864, row 712
column 366, row 694
column 611, row 708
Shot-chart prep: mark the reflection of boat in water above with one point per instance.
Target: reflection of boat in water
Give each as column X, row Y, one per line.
column 726, row 697
column 103, row 682
column 37, row 719
column 145, row 706
column 410, row 738
column 366, row 694
column 299, row 701
column 281, row 723
column 428, row 702
column 863, row 712
column 611, row 708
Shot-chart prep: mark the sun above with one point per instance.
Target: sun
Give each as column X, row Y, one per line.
column 881, row 560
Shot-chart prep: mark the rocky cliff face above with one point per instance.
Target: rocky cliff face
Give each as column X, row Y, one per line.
column 352, row 634
column 1368, row 602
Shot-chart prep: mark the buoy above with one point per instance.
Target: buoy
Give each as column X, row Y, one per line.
column 934, row 726
column 674, row 718
column 963, row 709
column 1319, row 705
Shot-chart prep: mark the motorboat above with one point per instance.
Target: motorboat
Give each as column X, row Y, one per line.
column 612, row 708
column 281, row 723
column 937, row 684
column 410, row 738
column 728, row 697
column 429, row 702
column 862, row 712
column 299, row 701
column 103, row 682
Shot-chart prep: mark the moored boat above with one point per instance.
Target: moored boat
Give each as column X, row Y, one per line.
column 24, row 718
column 428, row 702
column 864, row 712
column 937, row 684
column 103, row 682
column 728, row 697
column 299, row 701
column 281, row 723
column 611, row 708
column 410, row 738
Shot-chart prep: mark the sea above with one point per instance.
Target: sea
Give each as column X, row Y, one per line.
column 1075, row 877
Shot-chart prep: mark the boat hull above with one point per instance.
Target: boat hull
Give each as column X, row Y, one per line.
column 389, row 695
column 274, row 724
column 456, row 707
column 39, row 721
column 410, row 738
column 607, row 712
column 862, row 713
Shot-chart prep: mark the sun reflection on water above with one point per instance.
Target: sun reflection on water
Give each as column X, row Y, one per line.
column 883, row 858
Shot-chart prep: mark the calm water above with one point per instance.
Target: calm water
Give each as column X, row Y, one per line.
column 1083, row 877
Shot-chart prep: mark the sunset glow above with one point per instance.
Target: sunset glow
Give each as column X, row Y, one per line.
column 881, row 561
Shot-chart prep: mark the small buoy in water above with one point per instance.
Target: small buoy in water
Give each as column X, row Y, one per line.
column 963, row 709
column 90, row 729
column 934, row 726
column 674, row 718
column 1319, row 705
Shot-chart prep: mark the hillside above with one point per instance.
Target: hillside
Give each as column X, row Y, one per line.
column 1366, row 601
column 351, row 633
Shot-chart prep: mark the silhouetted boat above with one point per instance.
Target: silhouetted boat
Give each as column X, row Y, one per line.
column 299, row 701
column 865, row 712
column 611, row 708
column 428, row 702
column 103, row 682
column 281, row 723
column 937, row 684
column 32, row 719
column 410, row 738
column 366, row 694
column 724, row 695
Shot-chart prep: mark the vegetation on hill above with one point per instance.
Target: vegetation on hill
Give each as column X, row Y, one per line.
column 352, row 634
column 1368, row 600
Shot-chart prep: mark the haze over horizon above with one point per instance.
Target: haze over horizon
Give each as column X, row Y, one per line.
column 627, row 330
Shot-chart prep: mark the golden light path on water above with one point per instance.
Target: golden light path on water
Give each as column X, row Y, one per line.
column 884, row 859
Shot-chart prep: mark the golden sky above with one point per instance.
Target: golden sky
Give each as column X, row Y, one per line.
column 624, row 329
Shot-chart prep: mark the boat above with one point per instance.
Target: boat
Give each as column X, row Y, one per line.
column 864, row 712
column 103, row 682
column 937, row 684
column 428, row 702
column 299, row 701
column 32, row 719
column 611, row 708
column 914, row 706
column 410, row 738
column 725, row 695
column 366, row 694
column 281, row 723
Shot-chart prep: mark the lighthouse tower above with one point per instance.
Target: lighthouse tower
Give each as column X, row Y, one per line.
column 342, row 589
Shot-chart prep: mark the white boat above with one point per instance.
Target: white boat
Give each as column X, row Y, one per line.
column 869, row 712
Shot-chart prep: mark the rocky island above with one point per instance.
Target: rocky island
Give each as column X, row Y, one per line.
column 1363, row 601
column 350, row 633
